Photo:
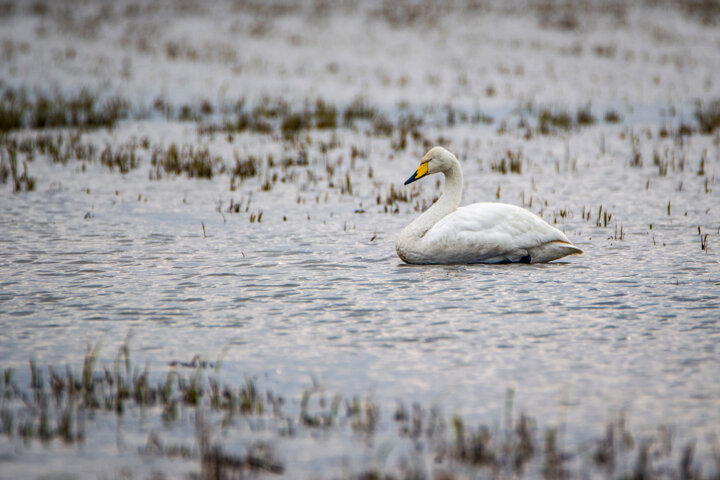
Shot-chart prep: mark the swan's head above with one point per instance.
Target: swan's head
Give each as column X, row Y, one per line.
column 436, row 160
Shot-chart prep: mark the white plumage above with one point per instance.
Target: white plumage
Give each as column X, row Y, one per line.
column 477, row 233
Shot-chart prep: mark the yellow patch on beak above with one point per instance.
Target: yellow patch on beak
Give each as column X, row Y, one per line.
column 421, row 171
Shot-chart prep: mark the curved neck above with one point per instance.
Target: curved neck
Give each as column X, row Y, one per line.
column 447, row 203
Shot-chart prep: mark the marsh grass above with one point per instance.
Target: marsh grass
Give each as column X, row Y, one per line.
column 584, row 116
column 310, row 155
column 393, row 198
column 195, row 162
column 611, row 116
column 555, row 121
column 244, row 168
column 708, row 116
column 292, row 123
column 707, row 12
column 325, row 115
column 269, row 116
column 359, row 109
column 603, row 217
column 619, row 235
column 5, row 170
column 65, row 147
column 11, row 111
column 56, row 404
column 123, row 158
column 19, row 109
column 551, row 121
column 511, row 162
column 704, row 238
column 22, row 182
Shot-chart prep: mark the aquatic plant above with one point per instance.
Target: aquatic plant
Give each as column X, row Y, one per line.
column 19, row 109
column 123, row 158
column 708, row 116
column 584, row 116
column 325, row 115
column 247, row 167
column 56, row 403
column 11, row 111
column 193, row 161
column 511, row 162
column 703, row 239
column 382, row 126
column 707, row 12
column 611, row 116
column 550, row 121
column 22, row 182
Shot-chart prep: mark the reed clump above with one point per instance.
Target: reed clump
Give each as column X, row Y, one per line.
column 22, row 182
column 511, row 162
column 195, row 162
column 708, row 116
column 40, row 110
column 550, row 121
column 56, row 403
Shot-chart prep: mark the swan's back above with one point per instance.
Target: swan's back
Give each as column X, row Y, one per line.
column 494, row 233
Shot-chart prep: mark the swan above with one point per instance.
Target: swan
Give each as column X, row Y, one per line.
column 477, row 233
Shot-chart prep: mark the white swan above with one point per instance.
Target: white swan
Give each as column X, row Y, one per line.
column 477, row 233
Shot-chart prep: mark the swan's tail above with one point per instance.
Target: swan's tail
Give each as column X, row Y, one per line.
column 552, row 251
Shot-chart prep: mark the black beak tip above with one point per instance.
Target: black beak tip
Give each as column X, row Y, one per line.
column 410, row 180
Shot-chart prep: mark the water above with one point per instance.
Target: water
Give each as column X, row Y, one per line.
column 630, row 325
column 314, row 292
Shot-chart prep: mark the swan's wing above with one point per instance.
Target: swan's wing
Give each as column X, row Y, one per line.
column 491, row 232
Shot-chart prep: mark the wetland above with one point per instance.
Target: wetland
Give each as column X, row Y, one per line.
column 198, row 209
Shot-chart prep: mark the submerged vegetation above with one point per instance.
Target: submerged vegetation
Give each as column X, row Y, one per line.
column 58, row 404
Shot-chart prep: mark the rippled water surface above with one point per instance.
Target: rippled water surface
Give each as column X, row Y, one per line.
column 312, row 292
column 630, row 324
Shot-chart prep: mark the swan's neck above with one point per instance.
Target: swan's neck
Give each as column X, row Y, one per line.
column 446, row 204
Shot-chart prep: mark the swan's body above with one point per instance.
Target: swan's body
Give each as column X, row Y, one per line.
column 477, row 233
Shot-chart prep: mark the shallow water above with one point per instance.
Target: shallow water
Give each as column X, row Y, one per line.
column 315, row 294
column 630, row 325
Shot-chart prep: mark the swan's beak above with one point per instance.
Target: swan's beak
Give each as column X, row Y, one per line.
column 421, row 171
